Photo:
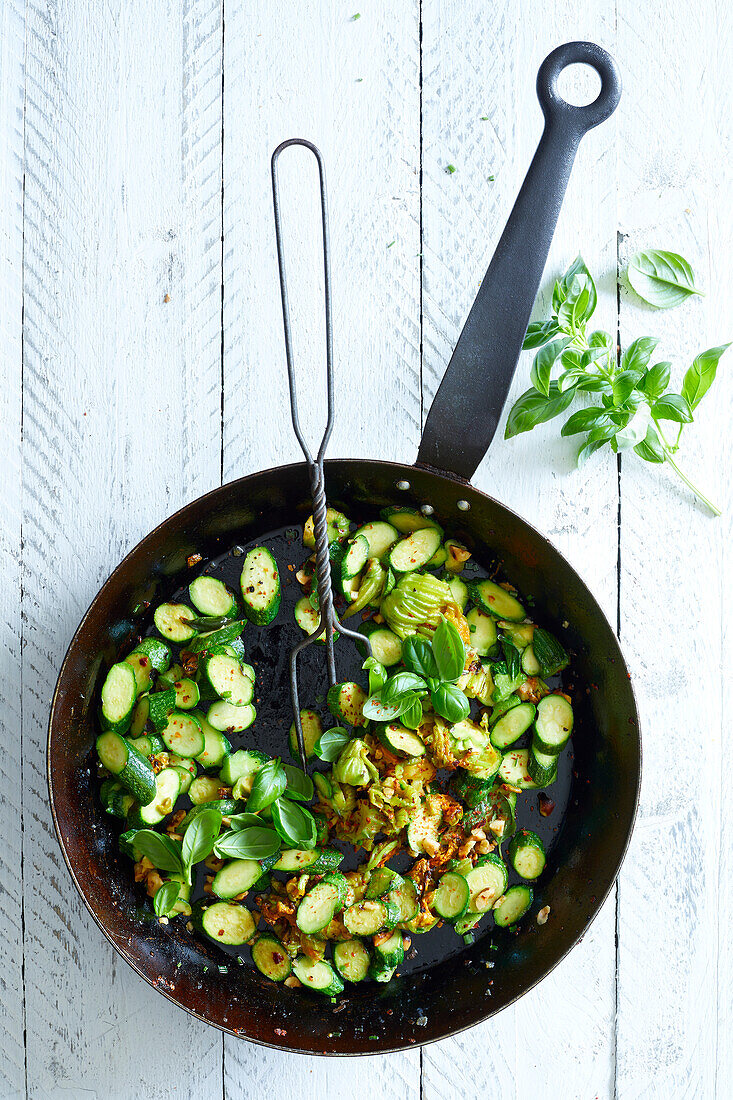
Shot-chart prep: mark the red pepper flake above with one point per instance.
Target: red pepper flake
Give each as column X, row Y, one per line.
column 280, row 1031
column 193, row 559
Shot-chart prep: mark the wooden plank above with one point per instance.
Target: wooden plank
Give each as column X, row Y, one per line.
column 492, row 75
column 121, row 415
column 670, row 920
column 364, row 115
column 12, row 47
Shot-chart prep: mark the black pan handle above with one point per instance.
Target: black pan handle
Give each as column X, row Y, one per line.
column 465, row 412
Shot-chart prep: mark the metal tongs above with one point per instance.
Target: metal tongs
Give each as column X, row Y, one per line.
column 328, row 620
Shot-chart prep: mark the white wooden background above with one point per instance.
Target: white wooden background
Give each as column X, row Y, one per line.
column 135, row 144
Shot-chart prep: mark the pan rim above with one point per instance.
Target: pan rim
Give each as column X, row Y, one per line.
column 235, row 486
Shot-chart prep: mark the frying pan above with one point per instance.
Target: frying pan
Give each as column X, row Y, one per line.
column 448, row 989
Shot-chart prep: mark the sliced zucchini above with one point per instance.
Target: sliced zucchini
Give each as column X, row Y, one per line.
column 530, row 664
column 321, row 903
column 187, row 694
column 401, row 741
column 260, row 584
column 414, row 551
column 318, row 975
column 119, row 692
column 236, row 877
column 271, row 958
column 388, row 954
column 140, row 717
column 551, row 656
column 160, row 705
column 527, row 853
column 225, row 922
column 380, row 536
column 381, row 882
column 316, row 861
column 467, row 923
column 312, row 730
column 403, row 897
column 323, row 785
column 512, row 725
column 169, row 619
column 204, row 789
column 148, row 744
column 366, row 918
column 513, row 906
column 554, row 724
column 337, row 528
column 229, row 679
column 483, row 631
column 142, row 668
column 158, row 651
column 216, row 745
column 386, row 646
column 346, row 701
column 458, row 589
column 127, row 765
column 451, row 896
column 440, row 557
column 352, row 565
column 211, row 597
column 541, row 766
column 228, row 719
column 115, row 799
column 470, row 789
column 513, row 770
column 127, row 847
column 308, row 618
column 351, row 959
column 225, row 806
column 487, row 881
column 495, row 600
column 243, row 762
column 186, row 769
column 167, row 790
column 520, row 634
column 216, row 639
column 370, row 588
column 183, row 735
column 407, row 520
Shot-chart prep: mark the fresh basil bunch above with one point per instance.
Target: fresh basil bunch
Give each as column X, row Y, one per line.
column 632, row 392
column 431, row 668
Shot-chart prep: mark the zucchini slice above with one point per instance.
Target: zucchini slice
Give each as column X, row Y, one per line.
column 352, row 960
column 487, row 881
column 225, row 922
column 308, row 618
column 271, row 958
column 260, row 584
column 388, row 954
column 148, row 744
column 229, row 679
column 401, row 741
column 346, row 701
column 140, row 718
column 381, row 882
column 483, row 631
column 183, row 735
column 366, row 918
column 236, row 877
column 204, row 789
column 243, row 762
column 228, row 719
column 337, row 528
column 115, row 799
column 495, row 600
column 458, row 588
column 316, row 861
column 513, row 905
column 386, row 646
column 186, row 769
column 512, row 725
column 211, row 597
column 380, row 536
column 318, row 975
column 551, row 656
column 553, row 725
column 119, row 692
column 142, row 669
column 187, row 694
column 415, row 551
column 530, row 664
column 158, row 651
column 513, row 770
column 168, row 619
column 541, row 766
column 407, row 520
column 167, row 790
column 352, row 564
column 403, row 897
column 312, row 730
column 127, row 765
column 321, row 903
column 450, row 900
column 527, row 853
column 216, row 745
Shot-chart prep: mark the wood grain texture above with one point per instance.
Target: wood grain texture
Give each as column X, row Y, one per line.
column 671, row 1018
column 12, row 49
column 121, row 279
column 525, row 1049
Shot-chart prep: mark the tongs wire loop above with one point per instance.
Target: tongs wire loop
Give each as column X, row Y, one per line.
column 328, row 621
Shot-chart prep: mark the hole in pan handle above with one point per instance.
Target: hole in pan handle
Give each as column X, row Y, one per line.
column 467, row 407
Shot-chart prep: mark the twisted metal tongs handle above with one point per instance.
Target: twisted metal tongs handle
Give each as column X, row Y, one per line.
column 328, row 619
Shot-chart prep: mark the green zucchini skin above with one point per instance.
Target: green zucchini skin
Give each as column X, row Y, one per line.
column 127, row 765
column 260, row 584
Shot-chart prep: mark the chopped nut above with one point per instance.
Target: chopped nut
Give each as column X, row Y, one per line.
column 497, row 827
column 214, row 863
column 543, row 915
column 406, row 943
column 153, row 883
column 162, row 920
column 483, row 847
column 292, row 982
column 545, row 804
column 207, row 888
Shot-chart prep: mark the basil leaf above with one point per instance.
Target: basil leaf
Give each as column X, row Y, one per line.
column 577, row 308
column 650, row 448
column 398, row 684
column 584, row 419
column 600, row 339
column 448, row 650
column 160, row 704
column 243, row 821
column 417, row 655
column 411, row 711
column 701, row 375
column 377, row 674
column 638, row 354
column 269, row 783
column 539, row 332
column 209, row 622
column 198, row 840
column 663, row 279
column 656, row 380
column 299, row 785
column 543, row 363
column 379, row 711
column 163, row 853
column 562, row 286
column 673, row 406
column 250, row 843
column 634, row 432
column 589, row 449
column 512, row 658
column 533, row 408
column 624, row 384
column 329, row 745
column 294, row 824
column 165, row 898
column 450, row 703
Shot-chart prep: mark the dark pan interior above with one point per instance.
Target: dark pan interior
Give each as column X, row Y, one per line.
column 440, row 993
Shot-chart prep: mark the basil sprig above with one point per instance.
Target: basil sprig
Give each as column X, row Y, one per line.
column 269, row 783
column 249, row 843
column 431, row 668
column 294, row 824
column 329, row 745
column 165, row 898
column 163, row 853
column 199, row 839
column 632, row 395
